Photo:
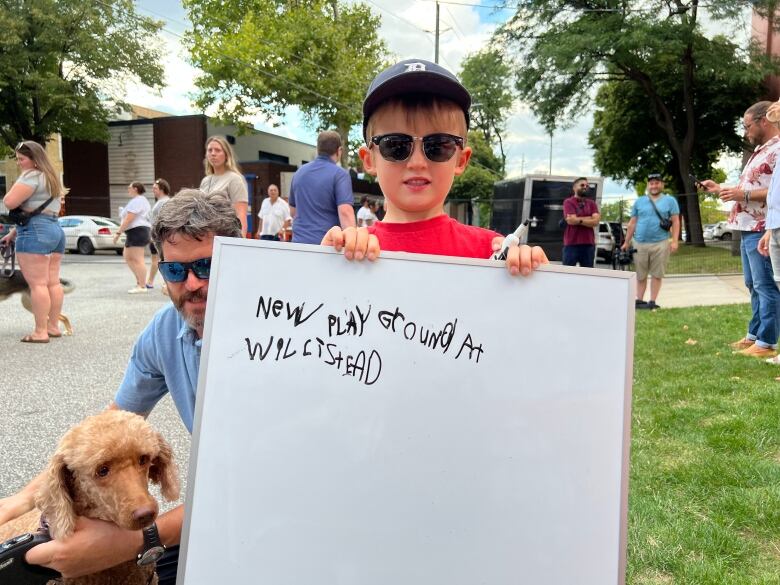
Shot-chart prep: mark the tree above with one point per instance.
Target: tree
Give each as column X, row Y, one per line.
column 476, row 182
column 567, row 46
column 64, row 63
column 487, row 77
column 263, row 56
column 619, row 210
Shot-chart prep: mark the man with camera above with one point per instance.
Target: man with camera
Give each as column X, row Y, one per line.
column 653, row 217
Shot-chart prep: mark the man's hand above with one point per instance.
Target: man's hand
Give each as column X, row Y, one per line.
column 521, row 259
column 357, row 243
column 14, row 506
column 673, row 245
column 763, row 245
column 710, row 185
column 93, row 547
column 732, row 194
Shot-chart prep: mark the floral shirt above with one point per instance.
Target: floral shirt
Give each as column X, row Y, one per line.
column 757, row 174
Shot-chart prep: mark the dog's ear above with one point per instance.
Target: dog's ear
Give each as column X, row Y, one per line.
column 55, row 498
column 163, row 470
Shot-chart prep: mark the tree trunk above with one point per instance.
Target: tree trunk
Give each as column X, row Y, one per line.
column 693, row 224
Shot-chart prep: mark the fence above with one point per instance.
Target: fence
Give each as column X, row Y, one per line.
column 719, row 253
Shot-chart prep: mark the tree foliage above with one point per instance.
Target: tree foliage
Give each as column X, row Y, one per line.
column 263, row 56
column 484, row 169
column 487, row 77
column 64, row 65
column 656, row 48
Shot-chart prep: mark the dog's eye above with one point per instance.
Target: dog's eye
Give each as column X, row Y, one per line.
column 143, row 460
column 102, row 471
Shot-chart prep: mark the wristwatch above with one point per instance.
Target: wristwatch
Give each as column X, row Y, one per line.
column 153, row 548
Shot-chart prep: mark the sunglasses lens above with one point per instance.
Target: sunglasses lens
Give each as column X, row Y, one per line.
column 395, row 148
column 439, row 148
column 178, row 271
column 173, row 271
column 202, row 268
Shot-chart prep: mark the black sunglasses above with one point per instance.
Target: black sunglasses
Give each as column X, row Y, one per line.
column 178, row 271
column 398, row 147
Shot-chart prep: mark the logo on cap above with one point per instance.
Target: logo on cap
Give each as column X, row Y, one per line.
column 415, row 67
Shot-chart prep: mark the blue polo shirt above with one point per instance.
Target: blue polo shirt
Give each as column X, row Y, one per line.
column 648, row 227
column 316, row 191
column 165, row 358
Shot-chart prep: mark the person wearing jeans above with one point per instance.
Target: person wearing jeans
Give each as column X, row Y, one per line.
column 764, row 295
column 748, row 215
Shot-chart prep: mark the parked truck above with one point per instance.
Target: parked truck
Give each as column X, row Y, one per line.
column 538, row 197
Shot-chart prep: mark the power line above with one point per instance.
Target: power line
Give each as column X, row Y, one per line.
column 455, row 27
column 409, row 23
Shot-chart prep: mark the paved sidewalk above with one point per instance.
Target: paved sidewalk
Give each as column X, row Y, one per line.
column 689, row 291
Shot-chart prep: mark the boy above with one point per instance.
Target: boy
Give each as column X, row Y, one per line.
column 415, row 120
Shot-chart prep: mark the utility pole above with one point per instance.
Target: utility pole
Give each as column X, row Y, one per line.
column 436, row 54
column 551, row 137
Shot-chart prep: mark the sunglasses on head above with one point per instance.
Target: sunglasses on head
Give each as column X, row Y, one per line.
column 178, row 271
column 398, row 147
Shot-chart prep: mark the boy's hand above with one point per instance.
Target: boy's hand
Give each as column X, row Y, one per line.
column 357, row 243
column 521, row 259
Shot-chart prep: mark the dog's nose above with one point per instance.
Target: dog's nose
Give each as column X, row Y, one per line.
column 144, row 516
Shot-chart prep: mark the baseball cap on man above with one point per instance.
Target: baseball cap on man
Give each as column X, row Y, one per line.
column 655, row 177
column 414, row 76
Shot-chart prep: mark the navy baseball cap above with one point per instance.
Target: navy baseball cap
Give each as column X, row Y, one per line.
column 414, row 76
column 655, row 177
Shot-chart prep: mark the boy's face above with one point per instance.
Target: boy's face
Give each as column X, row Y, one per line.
column 414, row 189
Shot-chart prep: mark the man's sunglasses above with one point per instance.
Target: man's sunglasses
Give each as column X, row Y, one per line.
column 398, row 147
column 178, row 271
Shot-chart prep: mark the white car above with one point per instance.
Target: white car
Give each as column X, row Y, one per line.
column 86, row 233
column 605, row 242
column 722, row 231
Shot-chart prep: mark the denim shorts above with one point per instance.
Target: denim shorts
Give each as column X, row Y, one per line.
column 41, row 235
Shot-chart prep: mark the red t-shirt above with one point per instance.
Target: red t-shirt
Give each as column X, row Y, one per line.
column 440, row 235
column 579, row 234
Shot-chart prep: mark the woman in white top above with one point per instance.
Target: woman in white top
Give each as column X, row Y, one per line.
column 40, row 243
column 136, row 226
column 223, row 174
column 366, row 215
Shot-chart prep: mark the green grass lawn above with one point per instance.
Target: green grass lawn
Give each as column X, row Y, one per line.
column 704, row 492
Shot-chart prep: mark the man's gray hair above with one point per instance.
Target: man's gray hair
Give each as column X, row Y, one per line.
column 195, row 215
column 758, row 110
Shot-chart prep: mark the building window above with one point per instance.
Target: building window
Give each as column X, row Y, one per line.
column 270, row 157
column 2, row 185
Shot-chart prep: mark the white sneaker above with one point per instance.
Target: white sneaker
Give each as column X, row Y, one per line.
column 137, row 290
column 775, row 361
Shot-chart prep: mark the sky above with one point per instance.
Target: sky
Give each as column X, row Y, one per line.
column 464, row 29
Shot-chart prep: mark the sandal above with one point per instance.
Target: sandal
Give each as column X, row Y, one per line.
column 55, row 335
column 31, row 339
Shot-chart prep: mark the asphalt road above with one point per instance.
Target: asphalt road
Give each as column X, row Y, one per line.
column 45, row 389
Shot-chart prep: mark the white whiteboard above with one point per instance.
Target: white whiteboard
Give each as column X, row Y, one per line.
column 502, row 460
